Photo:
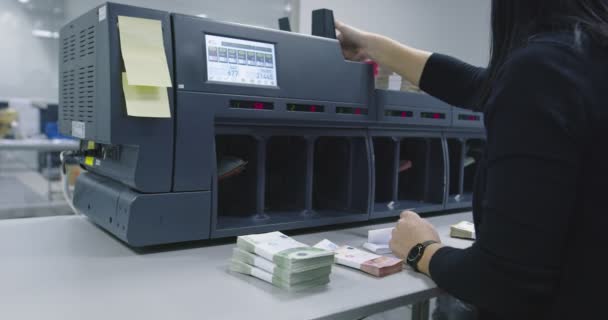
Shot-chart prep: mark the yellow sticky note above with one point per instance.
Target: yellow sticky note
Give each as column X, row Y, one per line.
column 143, row 51
column 91, row 145
column 89, row 161
column 143, row 101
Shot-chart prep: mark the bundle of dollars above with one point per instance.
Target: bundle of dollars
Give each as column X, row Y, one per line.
column 463, row 229
column 282, row 261
column 284, row 251
column 292, row 276
column 379, row 266
column 241, row 267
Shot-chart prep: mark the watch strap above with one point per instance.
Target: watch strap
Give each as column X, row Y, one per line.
column 421, row 248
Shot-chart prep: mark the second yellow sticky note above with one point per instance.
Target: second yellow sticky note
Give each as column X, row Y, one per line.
column 146, row 101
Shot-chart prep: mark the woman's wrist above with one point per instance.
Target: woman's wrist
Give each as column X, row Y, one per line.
column 375, row 46
column 425, row 261
column 407, row 61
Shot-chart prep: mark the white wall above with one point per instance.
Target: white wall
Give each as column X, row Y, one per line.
column 457, row 27
column 255, row 12
column 28, row 64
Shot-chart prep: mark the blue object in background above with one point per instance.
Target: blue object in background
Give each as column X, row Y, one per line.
column 51, row 130
column 49, row 118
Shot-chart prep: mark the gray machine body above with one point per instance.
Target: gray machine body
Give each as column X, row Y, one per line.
column 154, row 181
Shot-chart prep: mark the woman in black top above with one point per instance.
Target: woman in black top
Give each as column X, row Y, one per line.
column 541, row 191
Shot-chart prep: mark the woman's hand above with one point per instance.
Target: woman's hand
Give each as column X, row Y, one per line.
column 358, row 45
column 353, row 41
column 410, row 231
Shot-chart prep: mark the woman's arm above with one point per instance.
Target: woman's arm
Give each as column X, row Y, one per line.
column 535, row 123
column 446, row 78
column 530, row 195
column 360, row 45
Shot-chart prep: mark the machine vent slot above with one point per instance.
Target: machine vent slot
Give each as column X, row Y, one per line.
column 86, row 42
column 78, row 94
column 64, row 50
column 78, row 75
column 72, row 50
column 69, row 49
column 67, row 95
column 85, row 94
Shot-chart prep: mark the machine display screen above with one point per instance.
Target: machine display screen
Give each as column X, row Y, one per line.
column 240, row 61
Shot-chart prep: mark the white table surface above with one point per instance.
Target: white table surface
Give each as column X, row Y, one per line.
column 67, row 268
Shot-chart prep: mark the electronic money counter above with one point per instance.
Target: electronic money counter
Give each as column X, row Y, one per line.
column 261, row 130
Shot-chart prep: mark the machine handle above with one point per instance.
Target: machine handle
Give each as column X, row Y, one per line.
column 323, row 23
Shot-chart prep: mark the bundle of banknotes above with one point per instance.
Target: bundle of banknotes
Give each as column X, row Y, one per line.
column 282, row 261
column 463, row 229
column 376, row 265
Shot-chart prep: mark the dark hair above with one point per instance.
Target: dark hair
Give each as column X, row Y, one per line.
column 516, row 21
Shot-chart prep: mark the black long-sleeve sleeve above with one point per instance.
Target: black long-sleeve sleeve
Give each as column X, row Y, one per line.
column 534, row 122
column 453, row 81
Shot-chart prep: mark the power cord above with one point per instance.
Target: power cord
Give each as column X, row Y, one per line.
column 71, row 157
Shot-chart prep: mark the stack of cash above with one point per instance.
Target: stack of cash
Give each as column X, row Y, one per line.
column 463, row 229
column 282, row 261
column 367, row 262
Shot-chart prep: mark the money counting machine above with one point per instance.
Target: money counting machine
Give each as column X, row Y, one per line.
column 232, row 129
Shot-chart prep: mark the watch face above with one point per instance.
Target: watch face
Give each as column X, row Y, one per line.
column 414, row 253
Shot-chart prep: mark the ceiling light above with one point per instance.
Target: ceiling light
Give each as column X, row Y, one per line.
column 202, row 15
column 24, row 1
column 45, row 34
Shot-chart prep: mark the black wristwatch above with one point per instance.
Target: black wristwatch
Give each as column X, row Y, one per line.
column 416, row 254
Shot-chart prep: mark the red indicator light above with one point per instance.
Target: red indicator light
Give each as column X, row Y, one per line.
column 436, row 116
column 313, row 108
column 403, row 114
column 258, row 105
column 358, row 111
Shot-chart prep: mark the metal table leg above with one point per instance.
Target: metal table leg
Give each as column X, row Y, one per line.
column 421, row 310
column 49, row 166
